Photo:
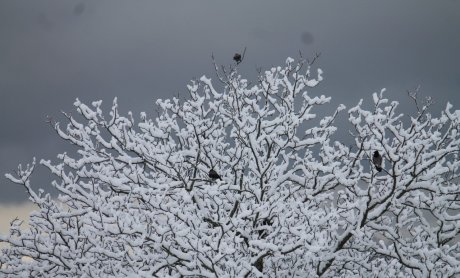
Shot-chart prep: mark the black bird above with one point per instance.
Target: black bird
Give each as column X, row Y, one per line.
column 237, row 58
column 243, row 237
column 377, row 160
column 213, row 175
column 263, row 233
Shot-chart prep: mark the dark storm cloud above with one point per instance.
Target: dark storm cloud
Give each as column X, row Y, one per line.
column 54, row 51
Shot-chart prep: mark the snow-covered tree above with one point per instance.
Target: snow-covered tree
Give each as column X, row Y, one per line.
column 136, row 199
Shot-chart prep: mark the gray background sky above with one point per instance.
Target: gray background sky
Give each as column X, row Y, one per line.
column 54, row 51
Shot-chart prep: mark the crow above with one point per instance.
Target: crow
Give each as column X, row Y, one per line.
column 263, row 233
column 213, row 175
column 377, row 160
column 237, row 58
column 246, row 240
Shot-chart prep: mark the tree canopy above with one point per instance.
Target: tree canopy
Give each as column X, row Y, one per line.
column 138, row 199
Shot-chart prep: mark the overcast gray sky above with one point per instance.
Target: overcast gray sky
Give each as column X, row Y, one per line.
column 54, row 51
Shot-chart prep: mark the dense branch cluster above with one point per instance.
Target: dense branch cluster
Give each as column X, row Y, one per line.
column 136, row 199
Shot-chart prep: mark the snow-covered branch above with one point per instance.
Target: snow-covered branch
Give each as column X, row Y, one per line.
column 284, row 199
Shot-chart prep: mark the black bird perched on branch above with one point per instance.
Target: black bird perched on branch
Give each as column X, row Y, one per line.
column 213, row 175
column 377, row 160
column 237, row 58
column 264, row 233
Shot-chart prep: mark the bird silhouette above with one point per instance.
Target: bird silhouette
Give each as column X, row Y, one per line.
column 263, row 233
column 237, row 58
column 213, row 175
column 377, row 160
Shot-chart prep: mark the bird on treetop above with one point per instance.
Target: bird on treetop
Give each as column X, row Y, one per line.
column 213, row 175
column 237, row 58
column 377, row 160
